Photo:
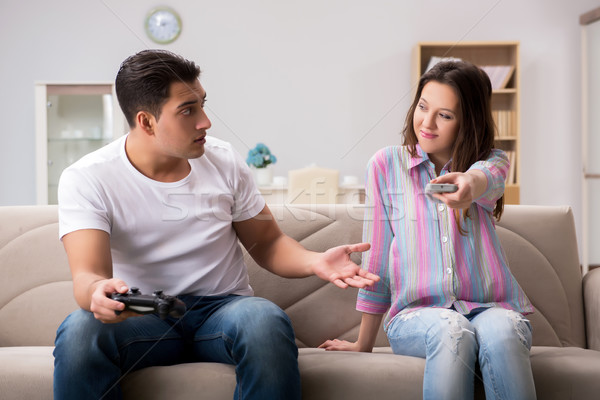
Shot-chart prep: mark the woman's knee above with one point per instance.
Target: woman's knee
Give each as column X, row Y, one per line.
column 499, row 326
column 454, row 332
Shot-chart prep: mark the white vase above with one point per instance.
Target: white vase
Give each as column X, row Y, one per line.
column 263, row 176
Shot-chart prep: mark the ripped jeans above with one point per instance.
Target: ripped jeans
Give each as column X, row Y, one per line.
column 451, row 344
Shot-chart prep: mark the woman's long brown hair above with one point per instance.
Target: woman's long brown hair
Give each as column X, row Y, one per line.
column 475, row 138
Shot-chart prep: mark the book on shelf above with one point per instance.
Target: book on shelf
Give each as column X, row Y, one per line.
column 499, row 74
column 504, row 120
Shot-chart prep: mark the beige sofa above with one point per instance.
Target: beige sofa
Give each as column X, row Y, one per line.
column 540, row 242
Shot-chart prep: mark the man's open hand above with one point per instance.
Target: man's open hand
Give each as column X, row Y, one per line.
column 335, row 266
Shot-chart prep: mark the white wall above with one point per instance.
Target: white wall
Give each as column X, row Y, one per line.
column 325, row 81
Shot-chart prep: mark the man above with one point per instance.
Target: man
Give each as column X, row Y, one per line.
column 163, row 208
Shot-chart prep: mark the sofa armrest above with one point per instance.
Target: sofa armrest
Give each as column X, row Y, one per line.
column 591, row 298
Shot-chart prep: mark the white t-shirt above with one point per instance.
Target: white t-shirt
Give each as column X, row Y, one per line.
column 175, row 236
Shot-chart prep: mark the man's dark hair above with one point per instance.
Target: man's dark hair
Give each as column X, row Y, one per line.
column 144, row 79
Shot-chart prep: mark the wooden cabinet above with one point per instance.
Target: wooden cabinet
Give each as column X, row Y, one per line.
column 72, row 120
column 505, row 97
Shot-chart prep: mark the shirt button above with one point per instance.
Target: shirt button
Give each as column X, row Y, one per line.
column 444, row 239
column 449, row 270
column 441, row 207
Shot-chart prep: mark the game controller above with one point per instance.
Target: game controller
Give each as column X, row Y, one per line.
column 158, row 302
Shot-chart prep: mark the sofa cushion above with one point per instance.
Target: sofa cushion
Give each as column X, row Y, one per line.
column 325, row 375
column 559, row 373
column 565, row 372
column 26, row 372
column 350, row 375
column 216, row 381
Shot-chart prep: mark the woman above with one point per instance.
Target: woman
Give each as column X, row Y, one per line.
column 445, row 282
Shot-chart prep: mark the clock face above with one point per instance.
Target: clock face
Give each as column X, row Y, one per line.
column 163, row 25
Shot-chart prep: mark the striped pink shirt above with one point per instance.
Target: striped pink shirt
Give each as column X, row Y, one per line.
column 416, row 248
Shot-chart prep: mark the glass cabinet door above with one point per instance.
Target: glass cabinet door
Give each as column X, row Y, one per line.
column 591, row 141
column 72, row 120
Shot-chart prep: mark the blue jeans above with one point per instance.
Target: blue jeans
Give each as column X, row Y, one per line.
column 251, row 333
column 451, row 344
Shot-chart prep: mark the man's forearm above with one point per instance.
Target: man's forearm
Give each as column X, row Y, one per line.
column 84, row 285
column 284, row 257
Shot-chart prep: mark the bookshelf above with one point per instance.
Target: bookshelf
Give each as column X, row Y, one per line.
column 501, row 61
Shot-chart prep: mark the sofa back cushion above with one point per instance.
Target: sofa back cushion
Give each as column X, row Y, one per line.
column 540, row 243
column 36, row 292
column 318, row 310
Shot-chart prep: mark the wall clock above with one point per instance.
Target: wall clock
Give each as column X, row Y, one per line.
column 163, row 25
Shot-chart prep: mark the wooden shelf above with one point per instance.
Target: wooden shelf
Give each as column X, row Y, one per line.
column 504, row 91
